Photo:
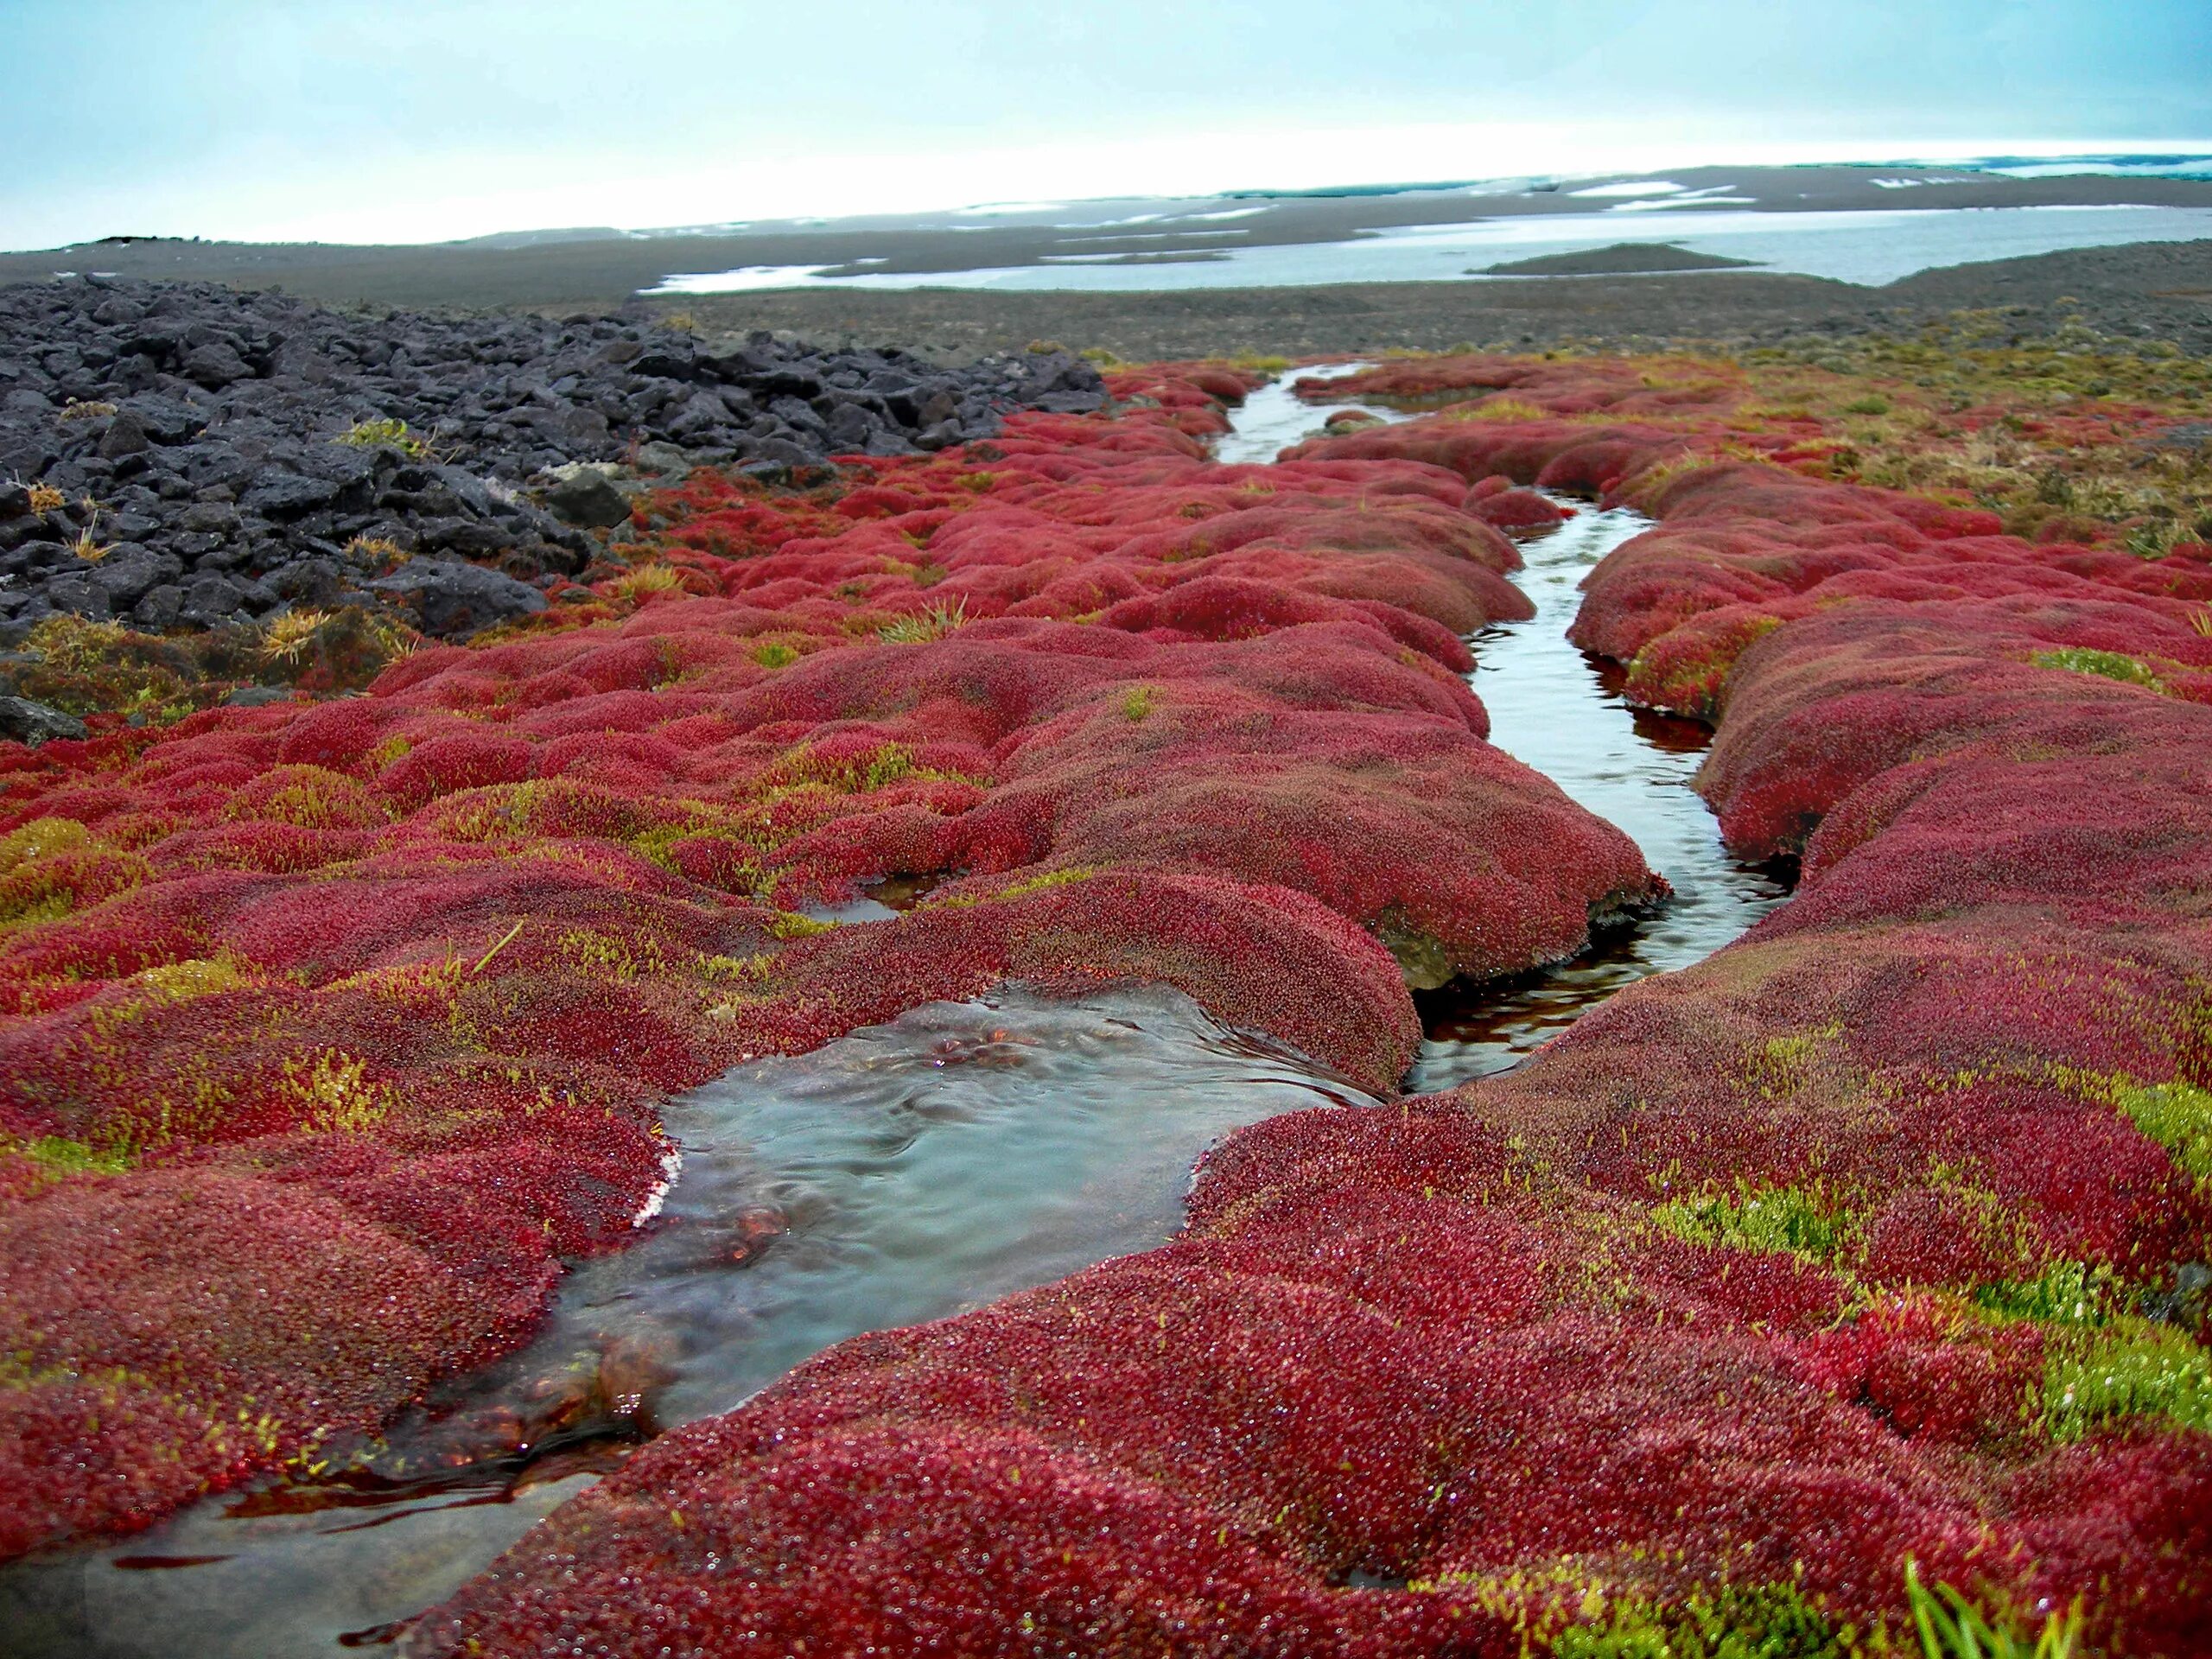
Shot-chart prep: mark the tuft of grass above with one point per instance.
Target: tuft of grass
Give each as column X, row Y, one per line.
column 1951, row 1626
column 1872, row 403
column 2105, row 664
column 291, row 636
column 89, row 410
column 381, row 550
column 774, row 654
column 1137, row 702
column 918, row 627
column 386, row 434
column 2154, row 538
column 334, row 1090
column 46, row 498
column 88, row 546
column 645, row 581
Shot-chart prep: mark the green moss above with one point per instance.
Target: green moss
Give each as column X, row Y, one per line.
column 2129, row 1367
column 385, row 435
column 1779, row 1067
column 1771, row 1621
column 1809, row 1220
column 2105, row 664
column 1028, row 885
column 1872, row 403
column 2178, row 1117
column 790, row 925
column 2065, row 1292
column 57, row 1158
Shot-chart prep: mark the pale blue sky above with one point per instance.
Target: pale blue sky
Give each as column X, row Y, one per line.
column 353, row 120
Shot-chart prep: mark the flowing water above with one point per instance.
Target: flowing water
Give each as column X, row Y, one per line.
column 1559, row 711
column 1274, row 417
column 903, row 1173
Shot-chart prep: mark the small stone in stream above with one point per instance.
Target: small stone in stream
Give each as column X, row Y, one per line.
column 587, row 496
column 23, row 721
column 451, row 599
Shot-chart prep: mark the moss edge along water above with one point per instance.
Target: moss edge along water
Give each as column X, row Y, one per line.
column 1490, row 1250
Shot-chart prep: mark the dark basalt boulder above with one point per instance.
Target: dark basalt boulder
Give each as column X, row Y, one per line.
column 453, row 600
column 23, row 721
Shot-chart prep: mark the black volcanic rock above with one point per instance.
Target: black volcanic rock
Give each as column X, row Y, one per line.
column 224, row 438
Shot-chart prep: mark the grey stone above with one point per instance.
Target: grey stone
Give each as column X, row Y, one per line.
column 210, row 518
column 79, row 596
column 24, row 721
column 129, row 572
column 214, row 366
column 453, row 600
column 317, row 581
column 587, row 496
column 157, row 612
column 280, row 495
column 124, row 436
column 208, row 598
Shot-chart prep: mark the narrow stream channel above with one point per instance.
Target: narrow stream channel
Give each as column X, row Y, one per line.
column 1559, row 711
column 902, row 1173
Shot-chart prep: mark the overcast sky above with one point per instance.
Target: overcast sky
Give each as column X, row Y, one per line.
column 367, row 120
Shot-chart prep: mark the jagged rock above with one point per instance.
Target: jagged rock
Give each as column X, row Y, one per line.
column 23, row 721
column 587, row 496
column 453, row 600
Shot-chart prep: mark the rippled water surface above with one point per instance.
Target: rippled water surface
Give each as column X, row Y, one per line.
column 900, row 1174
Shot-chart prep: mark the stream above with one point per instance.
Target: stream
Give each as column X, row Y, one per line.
column 905, row 1172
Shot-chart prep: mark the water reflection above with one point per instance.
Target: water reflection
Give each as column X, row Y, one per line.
column 1561, row 711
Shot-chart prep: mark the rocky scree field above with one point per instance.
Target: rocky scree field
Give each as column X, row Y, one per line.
column 1867, row 1256
column 184, row 457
